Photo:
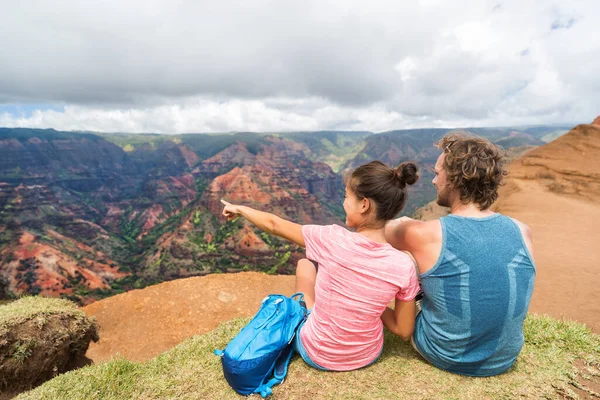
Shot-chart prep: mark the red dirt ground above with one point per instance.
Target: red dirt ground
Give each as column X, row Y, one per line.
column 143, row 323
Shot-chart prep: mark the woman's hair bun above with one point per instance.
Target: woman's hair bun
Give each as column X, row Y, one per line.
column 407, row 173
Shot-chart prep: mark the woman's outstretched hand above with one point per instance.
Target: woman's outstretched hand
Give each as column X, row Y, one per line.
column 265, row 221
column 230, row 211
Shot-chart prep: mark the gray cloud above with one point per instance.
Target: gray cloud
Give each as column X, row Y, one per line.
column 177, row 66
column 95, row 52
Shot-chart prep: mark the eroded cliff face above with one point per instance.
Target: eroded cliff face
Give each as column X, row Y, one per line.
column 70, row 203
column 236, row 155
column 569, row 165
column 79, row 163
column 270, row 190
column 47, row 250
column 279, row 164
column 167, row 159
column 82, row 218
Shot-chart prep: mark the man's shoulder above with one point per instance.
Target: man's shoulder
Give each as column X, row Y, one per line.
column 425, row 229
column 525, row 230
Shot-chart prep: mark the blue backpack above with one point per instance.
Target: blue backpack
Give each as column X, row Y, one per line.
column 257, row 358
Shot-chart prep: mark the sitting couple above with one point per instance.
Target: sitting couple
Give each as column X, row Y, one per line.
column 475, row 268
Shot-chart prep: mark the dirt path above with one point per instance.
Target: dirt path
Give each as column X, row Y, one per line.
column 143, row 323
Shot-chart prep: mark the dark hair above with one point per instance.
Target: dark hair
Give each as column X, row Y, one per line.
column 474, row 166
column 384, row 185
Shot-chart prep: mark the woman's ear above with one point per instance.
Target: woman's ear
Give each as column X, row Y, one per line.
column 365, row 205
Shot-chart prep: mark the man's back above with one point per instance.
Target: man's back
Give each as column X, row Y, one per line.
column 476, row 296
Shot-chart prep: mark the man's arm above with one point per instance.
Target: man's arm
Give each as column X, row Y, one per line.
column 527, row 235
column 267, row 222
column 401, row 320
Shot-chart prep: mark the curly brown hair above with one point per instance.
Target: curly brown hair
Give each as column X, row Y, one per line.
column 474, row 166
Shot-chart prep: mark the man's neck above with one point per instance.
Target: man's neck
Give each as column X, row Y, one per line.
column 468, row 210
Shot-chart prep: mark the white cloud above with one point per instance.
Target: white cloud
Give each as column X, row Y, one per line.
column 213, row 66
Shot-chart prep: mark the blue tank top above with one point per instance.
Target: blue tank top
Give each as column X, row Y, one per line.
column 476, row 297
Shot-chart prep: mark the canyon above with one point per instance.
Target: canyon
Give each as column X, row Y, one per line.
column 86, row 216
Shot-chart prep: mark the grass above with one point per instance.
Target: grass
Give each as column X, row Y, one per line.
column 29, row 307
column 545, row 369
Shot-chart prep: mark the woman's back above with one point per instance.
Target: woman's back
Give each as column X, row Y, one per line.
column 357, row 279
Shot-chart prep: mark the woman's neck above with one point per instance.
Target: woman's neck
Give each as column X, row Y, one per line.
column 375, row 233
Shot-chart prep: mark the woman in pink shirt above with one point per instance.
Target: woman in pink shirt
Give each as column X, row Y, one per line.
column 359, row 273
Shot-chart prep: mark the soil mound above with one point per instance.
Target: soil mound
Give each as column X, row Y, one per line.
column 141, row 324
column 555, row 189
column 39, row 339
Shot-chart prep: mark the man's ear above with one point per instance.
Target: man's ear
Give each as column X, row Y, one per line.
column 365, row 205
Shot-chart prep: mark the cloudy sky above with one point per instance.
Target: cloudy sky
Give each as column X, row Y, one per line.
column 178, row 66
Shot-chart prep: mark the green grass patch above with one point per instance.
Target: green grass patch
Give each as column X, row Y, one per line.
column 29, row 307
column 22, row 349
column 544, row 369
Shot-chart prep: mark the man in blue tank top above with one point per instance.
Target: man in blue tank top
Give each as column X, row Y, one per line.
column 476, row 267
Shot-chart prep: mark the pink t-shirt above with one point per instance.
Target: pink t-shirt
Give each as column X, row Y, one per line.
column 357, row 279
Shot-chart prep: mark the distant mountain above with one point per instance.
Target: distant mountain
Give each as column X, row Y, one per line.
column 334, row 148
column 81, row 162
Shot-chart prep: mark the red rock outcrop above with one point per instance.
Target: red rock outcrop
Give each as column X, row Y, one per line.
column 39, row 266
column 236, row 155
column 247, row 243
column 569, row 165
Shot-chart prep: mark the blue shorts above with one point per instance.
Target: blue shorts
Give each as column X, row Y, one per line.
column 299, row 347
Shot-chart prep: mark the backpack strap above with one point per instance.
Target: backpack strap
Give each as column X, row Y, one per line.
column 297, row 294
column 300, row 301
column 279, row 372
